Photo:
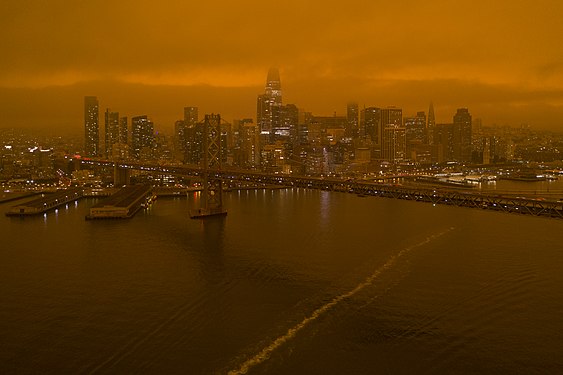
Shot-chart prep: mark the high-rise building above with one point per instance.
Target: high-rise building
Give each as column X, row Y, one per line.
column 431, row 124
column 91, row 127
column 111, row 131
column 416, row 135
column 291, row 122
column 142, row 137
column 394, row 147
column 443, row 135
column 249, row 147
column 462, row 136
column 179, row 140
column 194, row 143
column 190, row 116
column 416, row 128
column 352, row 116
column 268, row 110
column 392, row 134
column 120, row 149
column 370, row 120
column 186, row 136
column 123, row 130
column 273, row 85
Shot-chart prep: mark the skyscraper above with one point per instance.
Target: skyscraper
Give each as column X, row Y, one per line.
column 416, row 136
column 352, row 125
column 416, row 128
column 91, row 127
column 431, row 124
column 268, row 110
column 443, row 135
column 290, row 122
column 394, row 147
column 273, row 85
column 111, row 131
column 123, row 130
column 371, row 124
column 192, row 136
column 142, row 136
column 392, row 133
column 190, row 116
column 462, row 136
column 120, row 149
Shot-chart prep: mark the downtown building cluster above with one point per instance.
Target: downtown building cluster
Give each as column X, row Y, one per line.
column 120, row 140
column 284, row 139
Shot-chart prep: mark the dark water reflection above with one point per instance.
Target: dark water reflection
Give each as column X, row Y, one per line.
column 165, row 294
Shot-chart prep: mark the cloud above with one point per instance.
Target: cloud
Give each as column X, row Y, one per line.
column 60, row 108
column 377, row 51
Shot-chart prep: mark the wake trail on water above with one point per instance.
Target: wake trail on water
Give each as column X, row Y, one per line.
column 265, row 353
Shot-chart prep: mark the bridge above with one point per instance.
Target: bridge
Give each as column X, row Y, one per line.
column 213, row 175
column 505, row 202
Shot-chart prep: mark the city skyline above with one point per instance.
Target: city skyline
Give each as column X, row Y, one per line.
column 502, row 59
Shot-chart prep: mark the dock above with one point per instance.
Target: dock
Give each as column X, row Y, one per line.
column 46, row 202
column 14, row 196
column 124, row 204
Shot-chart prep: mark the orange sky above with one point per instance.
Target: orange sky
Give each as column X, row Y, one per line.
column 501, row 59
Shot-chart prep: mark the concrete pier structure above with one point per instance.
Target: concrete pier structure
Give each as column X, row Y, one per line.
column 46, row 202
column 124, row 204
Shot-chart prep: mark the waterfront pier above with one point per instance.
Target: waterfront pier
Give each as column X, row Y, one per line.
column 47, row 202
column 124, row 204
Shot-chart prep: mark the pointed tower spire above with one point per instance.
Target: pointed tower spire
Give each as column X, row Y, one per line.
column 431, row 124
column 273, row 85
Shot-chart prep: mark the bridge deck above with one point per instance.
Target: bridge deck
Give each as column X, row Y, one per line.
column 435, row 195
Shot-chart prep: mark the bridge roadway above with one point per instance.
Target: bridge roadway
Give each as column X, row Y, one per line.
column 436, row 195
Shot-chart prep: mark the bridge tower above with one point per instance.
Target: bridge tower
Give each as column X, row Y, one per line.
column 121, row 176
column 212, row 194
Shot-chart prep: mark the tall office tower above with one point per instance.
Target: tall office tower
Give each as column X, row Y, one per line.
column 268, row 112
column 389, row 116
column 443, row 135
column 416, row 128
column 190, row 116
column 194, row 143
column 279, row 131
column 191, row 141
column 273, row 85
column 249, row 156
column 352, row 116
column 370, row 122
column 305, row 121
column 123, row 130
column 142, row 137
column 462, row 135
column 179, row 140
column 394, row 146
column 120, row 149
column 290, row 122
column 392, row 134
column 430, row 125
column 263, row 116
column 91, row 127
column 111, row 131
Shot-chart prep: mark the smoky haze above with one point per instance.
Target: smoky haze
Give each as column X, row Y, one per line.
column 501, row 59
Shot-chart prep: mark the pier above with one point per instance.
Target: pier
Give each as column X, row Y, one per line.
column 14, row 196
column 46, row 202
column 124, row 204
